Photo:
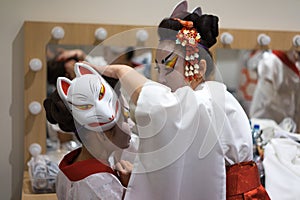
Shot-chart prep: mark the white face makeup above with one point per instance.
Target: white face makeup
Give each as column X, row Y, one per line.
column 92, row 101
column 170, row 65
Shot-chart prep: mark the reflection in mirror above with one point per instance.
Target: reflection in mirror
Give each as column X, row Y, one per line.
column 265, row 82
column 237, row 70
column 60, row 63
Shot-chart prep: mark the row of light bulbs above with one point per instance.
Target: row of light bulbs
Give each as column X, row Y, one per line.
column 58, row 33
column 262, row 39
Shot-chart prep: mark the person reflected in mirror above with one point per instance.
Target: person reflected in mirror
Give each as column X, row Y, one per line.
column 61, row 64
column 277, row 95
column 89, row 107
column 195, row 138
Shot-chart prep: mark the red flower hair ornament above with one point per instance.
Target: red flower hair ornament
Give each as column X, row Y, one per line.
column 189, row 38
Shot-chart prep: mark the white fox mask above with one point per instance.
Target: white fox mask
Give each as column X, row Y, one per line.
column 92, row 101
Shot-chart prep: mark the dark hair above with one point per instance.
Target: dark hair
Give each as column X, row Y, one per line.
column 58, row 113
column 206, row 25
column 57, row 69
column 129, row 53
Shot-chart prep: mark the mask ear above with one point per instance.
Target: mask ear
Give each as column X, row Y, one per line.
column 82, row 69
column 197, row 11
column 179, row 9
column 63, row 85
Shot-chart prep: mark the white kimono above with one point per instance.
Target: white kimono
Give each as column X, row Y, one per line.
column 282, row 169
column 88, row 179
column 186, row 139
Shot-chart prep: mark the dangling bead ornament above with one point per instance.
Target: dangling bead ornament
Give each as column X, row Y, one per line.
column 189, row 38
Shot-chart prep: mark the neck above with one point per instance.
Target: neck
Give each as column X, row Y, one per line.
column 84, row 155
column 195, row 82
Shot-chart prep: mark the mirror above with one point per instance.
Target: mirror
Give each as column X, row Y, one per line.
column 39, row 41
column 237, row 67
column 238, row 71
column 37, row 36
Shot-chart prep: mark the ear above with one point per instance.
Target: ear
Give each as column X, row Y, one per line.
column 63, row 85
column 82, row 69
column 197, row 11
column 180, row 8
column 202, row 67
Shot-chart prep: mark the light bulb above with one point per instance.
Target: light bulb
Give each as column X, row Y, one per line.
column 100, row 34
column 35, row 149
column 263, row 39
column 35, row 107
column 58, row 32
column 296, row 40
column 35, row 64
column 226, row 38
column 142, row 35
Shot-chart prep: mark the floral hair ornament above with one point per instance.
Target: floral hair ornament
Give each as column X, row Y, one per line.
column 189, row 38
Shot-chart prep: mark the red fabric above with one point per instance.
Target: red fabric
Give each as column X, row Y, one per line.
column 283, row 57
column 242, row 182
column 76, row 171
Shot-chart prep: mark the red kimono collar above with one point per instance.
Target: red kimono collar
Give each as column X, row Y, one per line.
column 76, row 171
column 283, row 57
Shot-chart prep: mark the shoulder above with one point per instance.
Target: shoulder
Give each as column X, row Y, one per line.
column 104, row 178
column 269, row 61
column 98, row 186
column 104, row 182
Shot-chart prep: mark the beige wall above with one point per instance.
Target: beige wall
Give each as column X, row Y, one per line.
column 254, row 14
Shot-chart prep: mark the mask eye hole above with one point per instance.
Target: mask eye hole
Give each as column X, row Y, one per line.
column 102, row 92
column 84, row 107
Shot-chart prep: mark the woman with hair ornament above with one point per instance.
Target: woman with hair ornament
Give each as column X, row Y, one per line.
column 195, row 138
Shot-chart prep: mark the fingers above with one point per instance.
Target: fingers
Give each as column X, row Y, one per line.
column 67, row 54
column 124, row 167
column 131, row 123
column 126, row 128
column 101, row 69
column 127, row 165
column 64, row 55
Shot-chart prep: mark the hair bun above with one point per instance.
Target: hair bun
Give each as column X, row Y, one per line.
column 58, row 113
column 208, row 28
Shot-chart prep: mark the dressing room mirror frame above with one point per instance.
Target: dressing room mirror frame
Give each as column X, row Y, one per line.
column 37, row 35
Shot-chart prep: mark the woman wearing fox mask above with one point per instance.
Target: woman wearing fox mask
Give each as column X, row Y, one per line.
column 89, row 107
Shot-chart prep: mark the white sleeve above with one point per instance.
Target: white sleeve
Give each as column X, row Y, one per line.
column 167, row 123
column 236, row 140
column 104, row 186
column 270, row 68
